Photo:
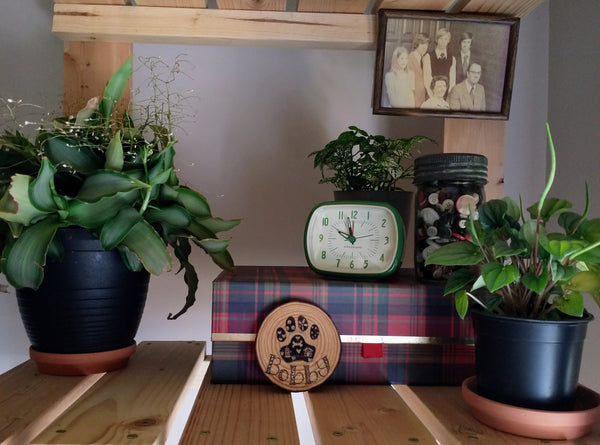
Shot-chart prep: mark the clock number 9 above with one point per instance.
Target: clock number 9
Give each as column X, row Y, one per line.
column 321, row 237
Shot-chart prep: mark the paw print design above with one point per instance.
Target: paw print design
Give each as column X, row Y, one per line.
column 297, row 348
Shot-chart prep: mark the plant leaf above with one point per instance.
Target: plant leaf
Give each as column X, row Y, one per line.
column 105, row 183
column 461, row 303
column 15, row 205
column 68, row 154
column 491, row 214
column 497, row 276
column 570, row 304
column 116, row 229
column 24, row 262
column 174, row 215
column 148, row 246
column 458, row 279
column 216, row 225
column 213, row 245
column 114, row 153
column 536, row 283
column 114, row 89
column 193, row 201
column 41, row 190
column 461, row 253
column 94, row 214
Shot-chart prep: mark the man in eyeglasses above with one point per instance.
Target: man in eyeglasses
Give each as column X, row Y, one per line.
column 469, row 94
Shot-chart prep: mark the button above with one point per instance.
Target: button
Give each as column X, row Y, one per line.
column 447, row 204
column 428, row 215
column 433, row 198
column 432, row 231
column 465, row 202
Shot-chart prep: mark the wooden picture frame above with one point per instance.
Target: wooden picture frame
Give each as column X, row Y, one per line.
column 425, row 50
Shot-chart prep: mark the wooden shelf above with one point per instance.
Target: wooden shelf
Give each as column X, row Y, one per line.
column 348, row 24
column 164, row 395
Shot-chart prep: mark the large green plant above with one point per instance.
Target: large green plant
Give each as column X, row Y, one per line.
column 102, row 172
column 514, row 265
column 360, row 161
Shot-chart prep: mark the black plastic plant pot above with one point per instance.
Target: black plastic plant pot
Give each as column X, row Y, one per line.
column 90, row 302
column 528, row 363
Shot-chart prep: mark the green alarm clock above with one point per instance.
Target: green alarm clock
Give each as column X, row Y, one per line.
column 354, row 239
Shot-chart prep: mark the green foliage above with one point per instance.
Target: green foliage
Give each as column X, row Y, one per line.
column 522, row 269
column 99, row 172
column 360, row 161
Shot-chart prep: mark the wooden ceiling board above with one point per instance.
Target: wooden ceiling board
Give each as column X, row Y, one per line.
column 252, row 5
column 173, row 3
column 213, row 27
column 338, row 6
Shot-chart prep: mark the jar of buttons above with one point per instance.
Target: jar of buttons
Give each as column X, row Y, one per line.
column 450, row 186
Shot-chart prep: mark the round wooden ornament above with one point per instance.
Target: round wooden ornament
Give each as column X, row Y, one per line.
column 298, row 346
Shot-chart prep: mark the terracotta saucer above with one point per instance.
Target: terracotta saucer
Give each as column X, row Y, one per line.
column 538, row 424
column 81, row 364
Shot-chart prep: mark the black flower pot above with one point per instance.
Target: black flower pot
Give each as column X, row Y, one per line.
column 88, row 303
column 528, row 363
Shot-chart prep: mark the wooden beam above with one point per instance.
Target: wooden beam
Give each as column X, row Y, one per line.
column 486, row 137
column 87, row 68
column 213, row 27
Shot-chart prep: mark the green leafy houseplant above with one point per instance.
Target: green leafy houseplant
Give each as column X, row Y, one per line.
column 360, row 161
column 101, row 171
column 514, row 265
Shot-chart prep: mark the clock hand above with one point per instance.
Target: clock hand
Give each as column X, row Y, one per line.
column 344, row 234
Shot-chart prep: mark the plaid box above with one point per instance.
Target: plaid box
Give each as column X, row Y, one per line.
column 395, row 330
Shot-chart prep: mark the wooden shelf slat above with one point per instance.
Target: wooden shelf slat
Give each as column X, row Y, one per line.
column 29, row 401
column 231, row 414
column 363, row 415
column 137, row 402
column 456, row 426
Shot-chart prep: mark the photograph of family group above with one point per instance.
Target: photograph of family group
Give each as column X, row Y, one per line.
column 456, row 66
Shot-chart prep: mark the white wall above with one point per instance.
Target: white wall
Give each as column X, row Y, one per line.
column 259, row 113
column 574, row 116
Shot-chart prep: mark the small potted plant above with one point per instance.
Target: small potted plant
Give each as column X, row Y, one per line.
column 93, row 183
column 367, row 167
column 526, row 284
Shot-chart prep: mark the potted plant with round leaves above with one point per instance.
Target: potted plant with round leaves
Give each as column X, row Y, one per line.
column 99, row 187
column 368, row 167
column 526, row 284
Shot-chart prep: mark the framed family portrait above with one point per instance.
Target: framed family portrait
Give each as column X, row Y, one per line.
column 447, row 65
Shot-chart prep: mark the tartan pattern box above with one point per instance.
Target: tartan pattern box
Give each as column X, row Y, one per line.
column 395, row 330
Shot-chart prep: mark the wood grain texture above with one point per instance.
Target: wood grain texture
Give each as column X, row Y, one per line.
column 29, row 401
column 481, row 136
column 241, row 414
column 213, row 27
column 253, row 5
column 363, row 415
column 87, row 68
column 173, row 3
column 446, row 406
column 343, row 6
column 137, row 402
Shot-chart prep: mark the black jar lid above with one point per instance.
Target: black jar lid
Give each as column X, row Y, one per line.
column 451, row 166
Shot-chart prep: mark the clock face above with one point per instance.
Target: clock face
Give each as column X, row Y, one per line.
column 354, row 238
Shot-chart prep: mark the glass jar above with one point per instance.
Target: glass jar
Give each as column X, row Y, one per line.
column 449, row 187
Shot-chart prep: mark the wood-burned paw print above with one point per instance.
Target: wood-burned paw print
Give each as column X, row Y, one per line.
column 297, row 348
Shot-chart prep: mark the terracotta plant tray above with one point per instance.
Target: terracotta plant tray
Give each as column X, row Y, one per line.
column 81, row 364
column 538, row 424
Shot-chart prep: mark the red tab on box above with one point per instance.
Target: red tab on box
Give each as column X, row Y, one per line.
column 372, row 350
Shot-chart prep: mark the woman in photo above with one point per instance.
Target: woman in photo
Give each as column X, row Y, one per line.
column 400, row 80
column 421, row 45
column 439, row 86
